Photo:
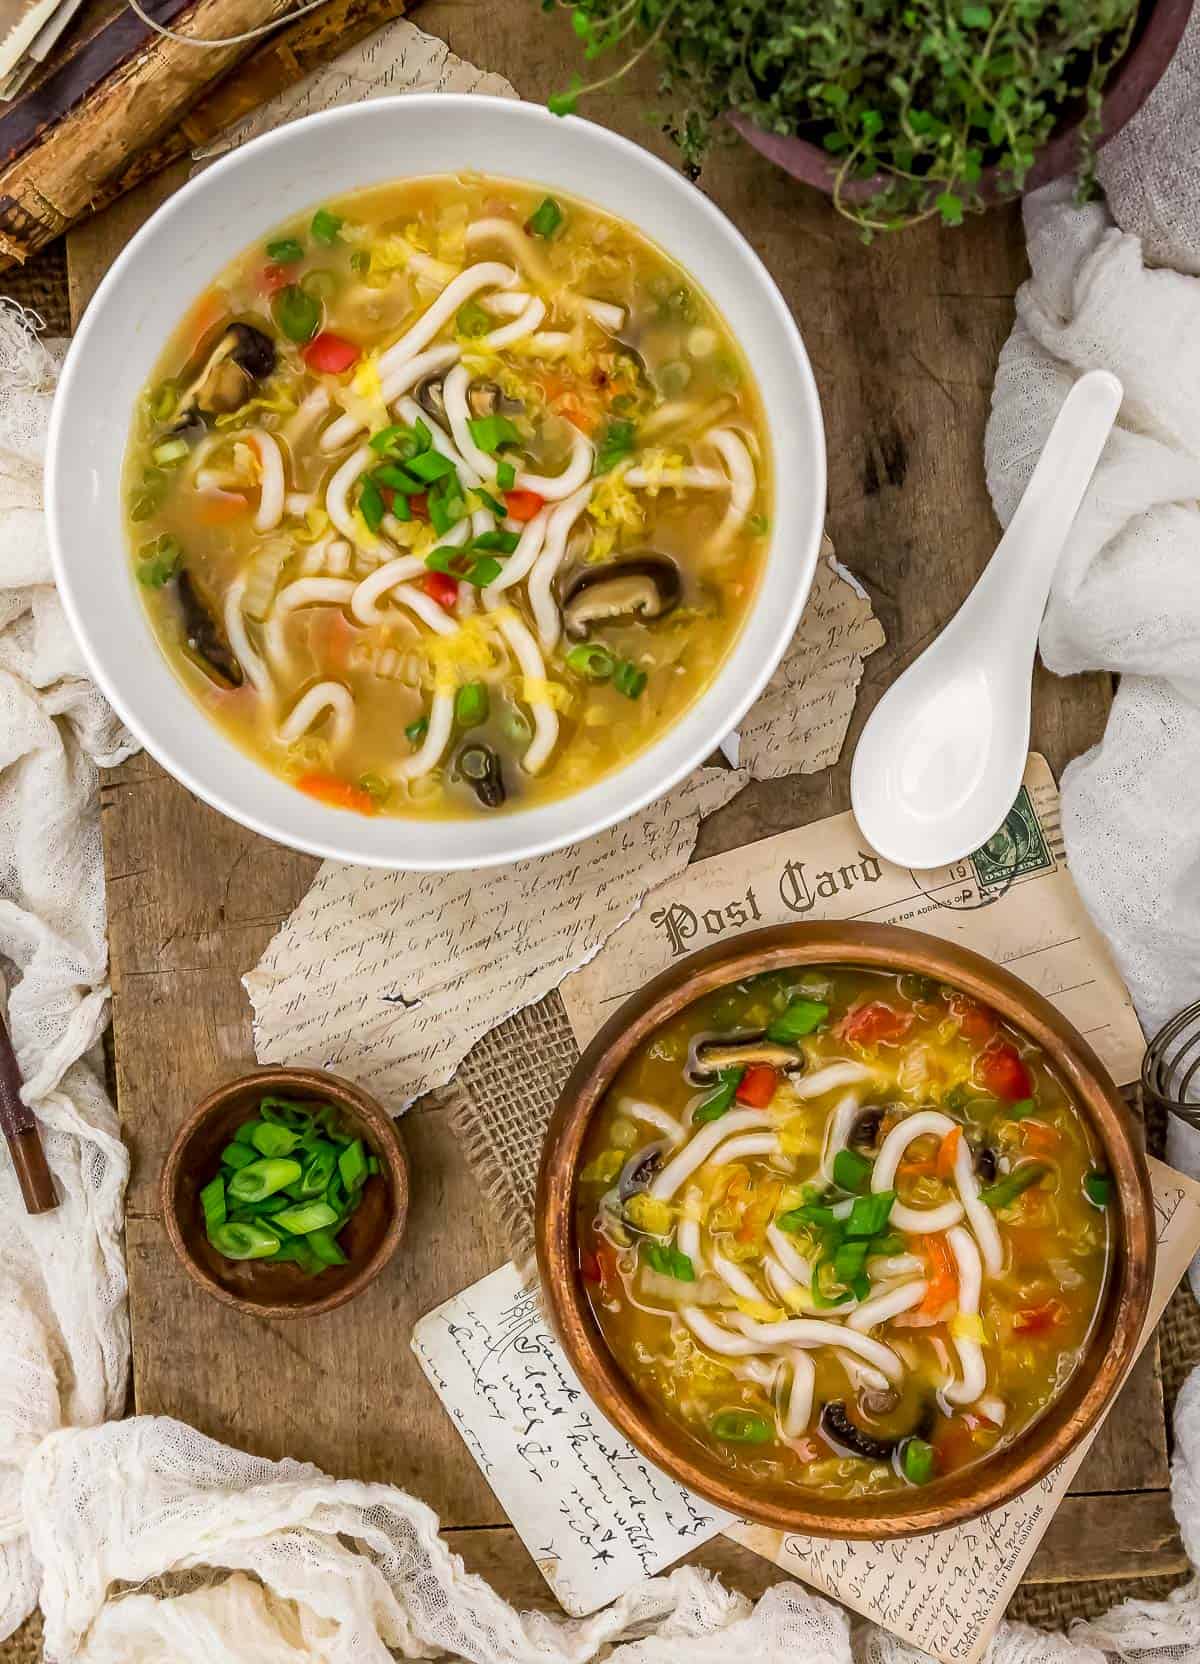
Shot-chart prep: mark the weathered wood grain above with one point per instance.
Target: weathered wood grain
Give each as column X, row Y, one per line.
column 904, row 337
column 48, row 188
column 1090, row 1538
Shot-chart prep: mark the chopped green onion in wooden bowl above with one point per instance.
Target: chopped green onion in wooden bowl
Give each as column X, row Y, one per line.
column 286, row 1192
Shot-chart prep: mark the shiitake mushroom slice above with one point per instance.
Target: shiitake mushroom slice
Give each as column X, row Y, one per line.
column 643, row 587
column 207, row 644
column 242, row 358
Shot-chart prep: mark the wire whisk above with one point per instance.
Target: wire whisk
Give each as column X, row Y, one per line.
column 1172, row 1063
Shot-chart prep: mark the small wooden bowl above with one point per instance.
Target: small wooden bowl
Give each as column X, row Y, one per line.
column 1112, row 1345
column 369, row 1239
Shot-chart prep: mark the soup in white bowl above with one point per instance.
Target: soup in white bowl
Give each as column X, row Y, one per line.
column 332, row 161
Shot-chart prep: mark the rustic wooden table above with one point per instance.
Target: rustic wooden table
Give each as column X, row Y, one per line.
column 904, row 337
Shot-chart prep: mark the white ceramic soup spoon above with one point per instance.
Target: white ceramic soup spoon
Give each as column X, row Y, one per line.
column 940, row 760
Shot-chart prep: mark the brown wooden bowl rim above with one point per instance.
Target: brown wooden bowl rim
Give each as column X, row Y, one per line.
column 335, row 1089
column 1114, row 1340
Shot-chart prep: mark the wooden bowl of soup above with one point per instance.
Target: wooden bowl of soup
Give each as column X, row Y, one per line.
column 285, row 1192
column 434, row 482
column 846, row 1229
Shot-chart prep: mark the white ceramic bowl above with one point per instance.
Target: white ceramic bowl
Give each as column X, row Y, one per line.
column 186, row 244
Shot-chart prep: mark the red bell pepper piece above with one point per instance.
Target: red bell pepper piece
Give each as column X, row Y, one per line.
column 330, row 354
column 757, row 1085
column 1000, row 1071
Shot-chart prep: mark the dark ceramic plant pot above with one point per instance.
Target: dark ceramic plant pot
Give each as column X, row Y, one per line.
column 1134, row 79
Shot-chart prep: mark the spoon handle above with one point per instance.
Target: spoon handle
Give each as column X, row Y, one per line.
column 1027, row 555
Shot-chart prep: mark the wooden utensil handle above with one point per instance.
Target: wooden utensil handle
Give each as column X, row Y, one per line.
column 20, row 1127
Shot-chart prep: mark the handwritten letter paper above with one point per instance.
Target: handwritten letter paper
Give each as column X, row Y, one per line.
column 593, row 1513
column 1013, row 901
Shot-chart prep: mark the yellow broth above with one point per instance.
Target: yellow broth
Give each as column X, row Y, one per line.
column 373, row 700
column 720, row 1207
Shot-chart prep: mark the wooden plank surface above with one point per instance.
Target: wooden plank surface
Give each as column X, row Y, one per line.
column 904, row 337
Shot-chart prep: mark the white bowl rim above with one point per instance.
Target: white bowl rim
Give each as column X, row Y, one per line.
column 328, row 836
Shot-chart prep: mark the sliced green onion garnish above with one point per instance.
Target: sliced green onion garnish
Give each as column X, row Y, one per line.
column 386, row 438
column 447, row 505
column 325, row 226
column 917, row 1460
column 163, row 401
column 171, row 450
column 212, row 1202
column 308, row 1216
column 504, row 543
column 360, row 262
column 1014, row 1184
column 430, row 466
column 271, row 1139
column 870, row 1214
column 801, row 1017
column 629, row 680
column 159, row 561
column 285, row 251
column 416, row 731
column 397, row 479
column 472, row 321
column 669, row 1261
column 324, row 1246
column 741, row 1427
column 285, row 1112
column 237, row 1155
column 490, row 432
column 719, row 1100
column 263, row 1178
column 850, row 1170
column 297, row 314
column 318, row 1170
column 352, row 1165
column 375, row 786
column 401, row 507
column 616, row 444
column 370, row 503
column 506, row 476
column 1098, row 1188
column 591, row 660
column 1022, row 1108
column 471, row 705
column 320, row 283
column 499, row 509
column 545, row 219
column 246, row 1241
column 463, row 564
column 849, row 1260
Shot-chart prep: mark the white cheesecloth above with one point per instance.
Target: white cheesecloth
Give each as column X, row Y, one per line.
column 293, row 1567
column 1113, row 287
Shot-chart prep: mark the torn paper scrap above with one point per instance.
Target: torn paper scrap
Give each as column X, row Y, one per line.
column 390, row 978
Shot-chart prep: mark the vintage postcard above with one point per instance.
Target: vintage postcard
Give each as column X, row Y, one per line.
column 1013, row 901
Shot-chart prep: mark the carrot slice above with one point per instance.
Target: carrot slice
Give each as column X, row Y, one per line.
column 339, row 794
column 947, row 1152
column 1038, row 1137
column 218, row 508
column 943, row 1275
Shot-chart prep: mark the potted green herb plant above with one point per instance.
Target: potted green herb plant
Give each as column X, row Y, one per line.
column 900, row 111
